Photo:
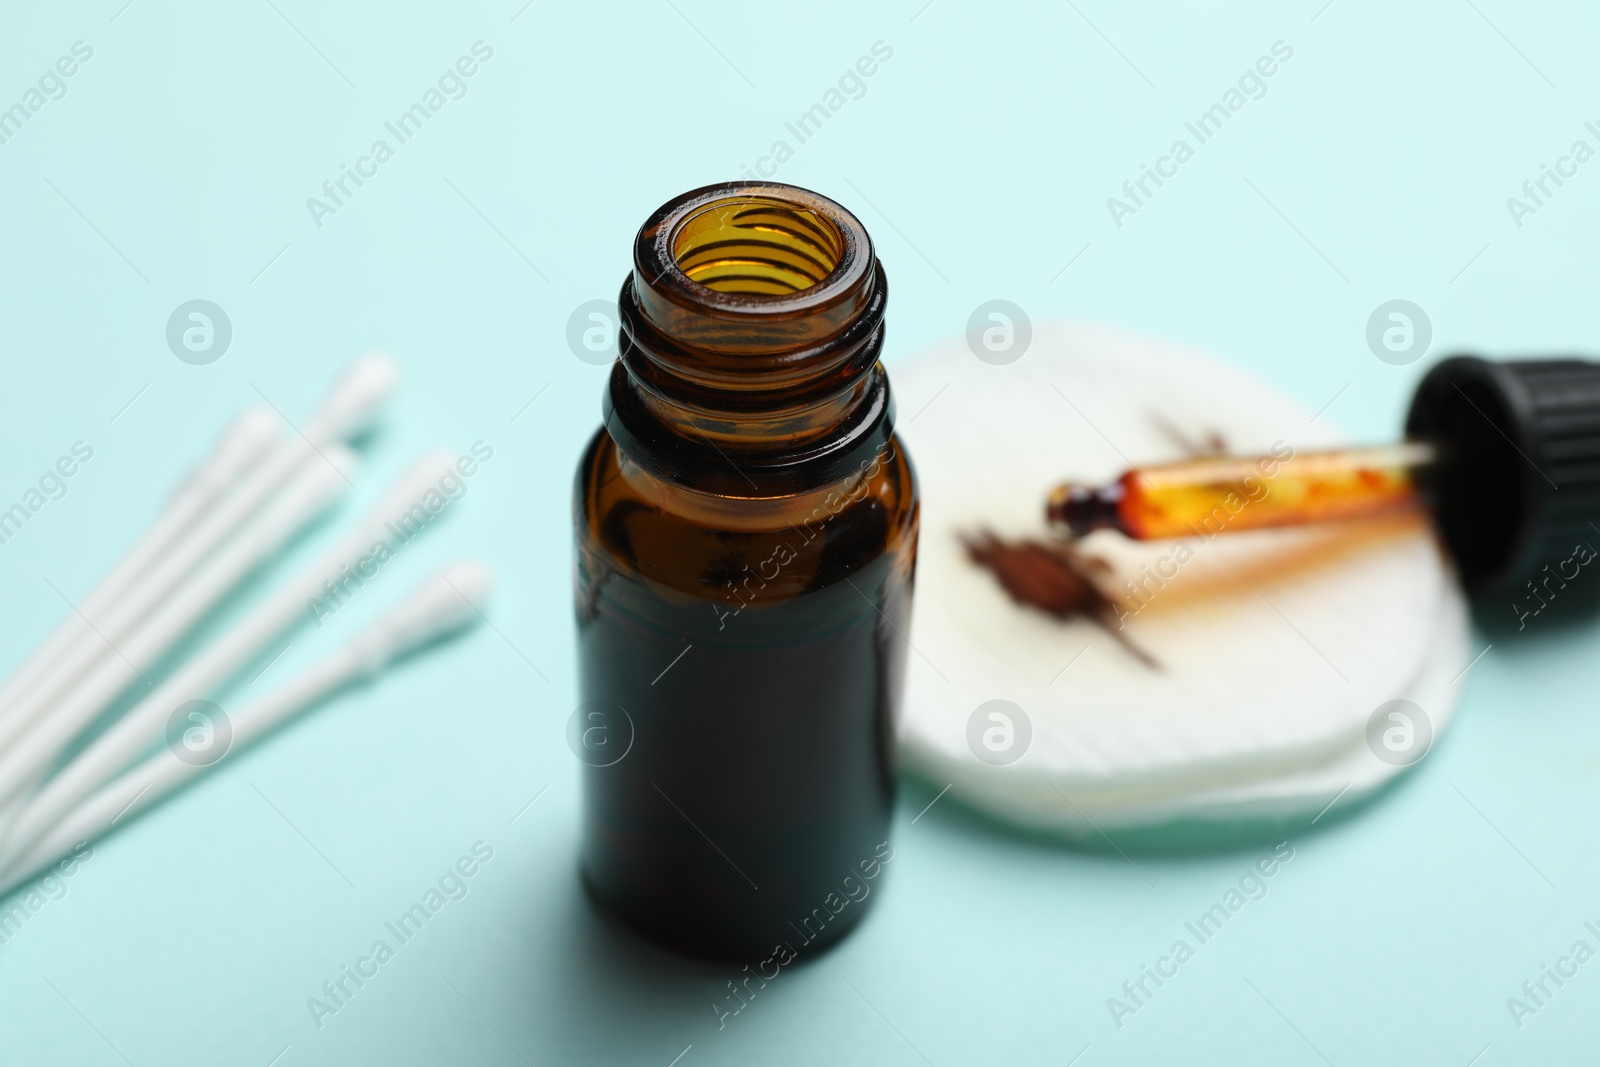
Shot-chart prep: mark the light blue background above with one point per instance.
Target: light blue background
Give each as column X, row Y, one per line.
column 980, row 158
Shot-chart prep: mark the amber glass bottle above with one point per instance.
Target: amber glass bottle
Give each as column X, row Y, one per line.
column 746, row 536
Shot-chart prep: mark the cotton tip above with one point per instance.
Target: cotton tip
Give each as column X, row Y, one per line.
column 411, row 488
column 243, row 441
column 472, row 581
column 246, row 439
column 342, row 461
column 363, row 388
column 319, row 483
column 446, row 602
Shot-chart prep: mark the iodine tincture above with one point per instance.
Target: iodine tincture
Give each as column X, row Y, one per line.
column 746, row 529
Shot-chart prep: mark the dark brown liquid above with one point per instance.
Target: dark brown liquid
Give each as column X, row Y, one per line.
column 746, row 537
column 1056, row 578
column 759, row 671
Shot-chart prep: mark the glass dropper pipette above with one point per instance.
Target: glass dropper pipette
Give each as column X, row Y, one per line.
column 1504, row 455
column 1205, row 496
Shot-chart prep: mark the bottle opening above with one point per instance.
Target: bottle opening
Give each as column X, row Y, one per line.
column 756, row 244
column 752, row 324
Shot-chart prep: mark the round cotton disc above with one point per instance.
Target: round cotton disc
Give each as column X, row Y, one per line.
column 1271, row 649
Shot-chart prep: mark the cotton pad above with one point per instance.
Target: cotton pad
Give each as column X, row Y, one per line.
column 1273, row 648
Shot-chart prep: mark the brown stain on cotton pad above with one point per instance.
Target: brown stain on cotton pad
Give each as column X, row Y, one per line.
column 1054, row 578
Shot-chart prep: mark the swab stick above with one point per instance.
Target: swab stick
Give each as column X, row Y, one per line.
column 444, row 603
column 245, row 441
column 313, row 488
column 217, row 662
column 353, row 399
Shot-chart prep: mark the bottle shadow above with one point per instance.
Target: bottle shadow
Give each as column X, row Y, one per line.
column 668, row 998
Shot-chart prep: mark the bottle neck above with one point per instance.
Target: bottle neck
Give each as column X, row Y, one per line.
column 752, row 326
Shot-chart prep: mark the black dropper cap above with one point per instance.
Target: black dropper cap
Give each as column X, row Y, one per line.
column 1516, row 489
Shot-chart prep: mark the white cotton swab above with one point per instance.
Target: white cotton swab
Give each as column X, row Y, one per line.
column 444, row 603
column 312, row 489
column 364, row 386
column 245, row 441
column 217, row 662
